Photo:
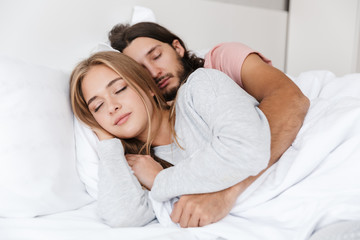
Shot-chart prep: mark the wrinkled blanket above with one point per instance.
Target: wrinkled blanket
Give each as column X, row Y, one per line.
column 317, row 180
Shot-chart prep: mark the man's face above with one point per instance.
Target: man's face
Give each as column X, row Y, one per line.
column 161, row 60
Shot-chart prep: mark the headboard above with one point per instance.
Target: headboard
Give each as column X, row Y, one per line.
column 61, row 33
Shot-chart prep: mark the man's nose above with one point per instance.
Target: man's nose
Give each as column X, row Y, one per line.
column 155, row 71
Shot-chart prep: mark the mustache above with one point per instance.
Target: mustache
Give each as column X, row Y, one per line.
column 164, row 76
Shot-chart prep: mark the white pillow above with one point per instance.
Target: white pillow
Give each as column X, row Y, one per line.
column 38, row 173
column 142, row 14
column 86, row 156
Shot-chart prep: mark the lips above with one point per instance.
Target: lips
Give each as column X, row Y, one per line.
column 122, row 119
column 163, row 82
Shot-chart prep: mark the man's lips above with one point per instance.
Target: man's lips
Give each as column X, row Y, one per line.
column 163, row 82
column 122, row 119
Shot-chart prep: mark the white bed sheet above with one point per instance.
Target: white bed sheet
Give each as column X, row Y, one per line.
column 279, row 211
column 81, row 224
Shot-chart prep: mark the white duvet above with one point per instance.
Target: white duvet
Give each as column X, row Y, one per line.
column 315, row 183
column 317, row 180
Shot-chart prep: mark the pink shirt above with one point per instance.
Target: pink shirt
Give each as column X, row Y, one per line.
column 229, row 58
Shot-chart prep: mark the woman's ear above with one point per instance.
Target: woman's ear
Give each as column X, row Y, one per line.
column 178, row 47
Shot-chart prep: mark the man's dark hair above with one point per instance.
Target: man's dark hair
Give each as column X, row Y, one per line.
column 123, row 34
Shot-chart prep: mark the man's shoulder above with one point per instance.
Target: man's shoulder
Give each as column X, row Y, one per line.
column 225, row 50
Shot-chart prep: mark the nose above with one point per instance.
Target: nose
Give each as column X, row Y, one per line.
column 155, row 71
column 114, row 107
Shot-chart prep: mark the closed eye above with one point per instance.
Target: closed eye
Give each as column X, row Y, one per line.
column 157, row 56
column 117, row 92
column 98, row 107
column 122, row 89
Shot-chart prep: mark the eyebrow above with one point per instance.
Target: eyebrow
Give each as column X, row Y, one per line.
column 107, row 86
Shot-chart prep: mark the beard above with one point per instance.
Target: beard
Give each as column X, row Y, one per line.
column 170, row 95
column 182, row 73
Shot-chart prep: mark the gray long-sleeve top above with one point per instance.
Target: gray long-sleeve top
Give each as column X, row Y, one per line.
column 122, row 202
column 225, row 139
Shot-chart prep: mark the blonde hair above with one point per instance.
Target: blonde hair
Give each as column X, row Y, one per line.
column 136, row 77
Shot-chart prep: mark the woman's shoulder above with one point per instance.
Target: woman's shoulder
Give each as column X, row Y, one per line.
column 207, row 77
column 204, row 86
column 210, row 81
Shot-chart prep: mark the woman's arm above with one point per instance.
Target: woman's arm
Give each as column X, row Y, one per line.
column 238, row 148
column 121, row 200
column 284, row 105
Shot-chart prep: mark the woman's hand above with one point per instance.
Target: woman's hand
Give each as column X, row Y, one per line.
column 145, row 168
column 102, row 134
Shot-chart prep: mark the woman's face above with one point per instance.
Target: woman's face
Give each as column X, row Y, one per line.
column 115, row 105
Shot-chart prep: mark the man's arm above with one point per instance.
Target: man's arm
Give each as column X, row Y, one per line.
column 282, row 102
column 285, row 107
column 198, row 210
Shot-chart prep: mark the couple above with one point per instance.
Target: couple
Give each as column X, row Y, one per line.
column 207, row 146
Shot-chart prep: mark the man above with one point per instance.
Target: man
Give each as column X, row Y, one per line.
column 165, row 56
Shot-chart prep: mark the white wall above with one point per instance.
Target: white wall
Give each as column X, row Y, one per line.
column 358, row 42
column 262, row 29
column 273, row 4
column 60, row 33
column 324, row 34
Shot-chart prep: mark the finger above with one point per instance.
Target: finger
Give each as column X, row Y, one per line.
column 176, row 213
column 135, row 155
column 184, row 218
column 194, row 221
column 131, row 162
column 204, row 221
column 129, row 156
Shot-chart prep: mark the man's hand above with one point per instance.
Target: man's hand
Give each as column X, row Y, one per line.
column 197, row 210
column 145, row 168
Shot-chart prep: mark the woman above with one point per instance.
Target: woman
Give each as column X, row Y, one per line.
column 214, row 135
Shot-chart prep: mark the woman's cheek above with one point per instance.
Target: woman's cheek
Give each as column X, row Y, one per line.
column 102, row 122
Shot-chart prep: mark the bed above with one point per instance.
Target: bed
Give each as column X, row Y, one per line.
column 48, row 170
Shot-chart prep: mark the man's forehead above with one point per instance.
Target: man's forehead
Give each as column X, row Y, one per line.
column 142, row 47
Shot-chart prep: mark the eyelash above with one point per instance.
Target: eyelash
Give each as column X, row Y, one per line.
column 158, row 56
column 122, row 89
column 117, row 92
column 97, row 109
